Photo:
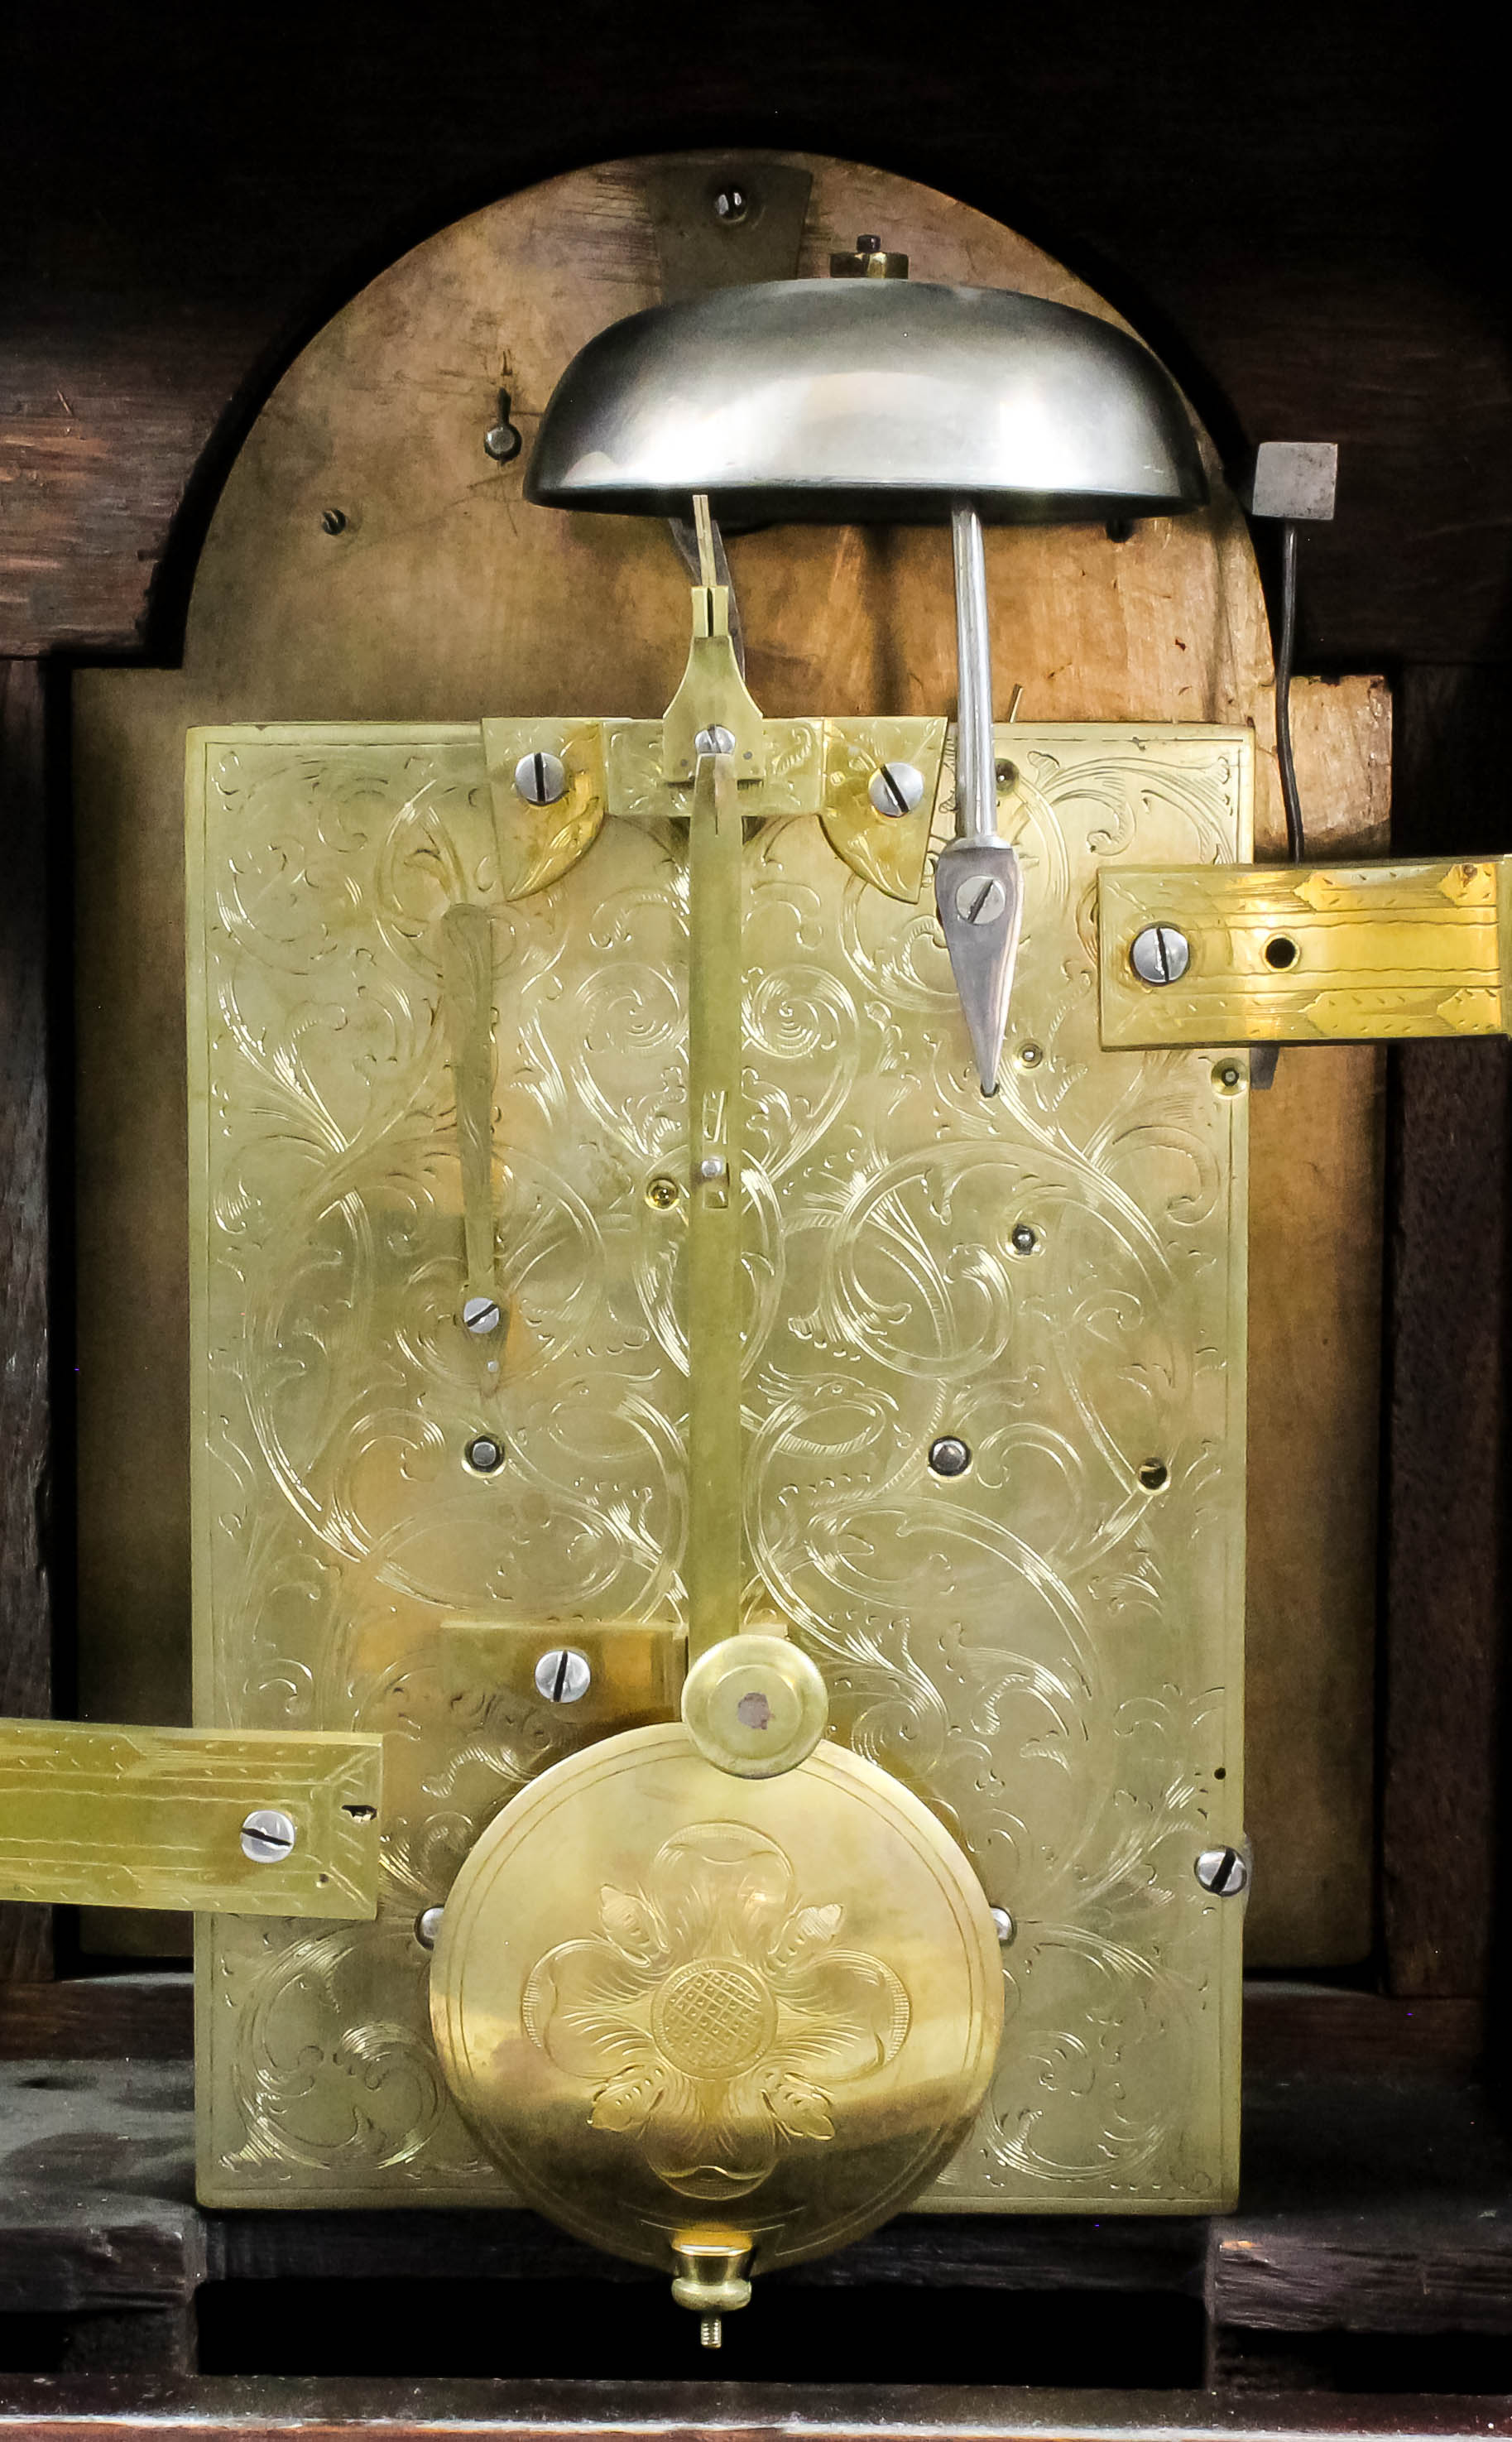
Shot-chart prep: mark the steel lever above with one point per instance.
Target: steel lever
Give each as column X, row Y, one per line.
column 978, row 881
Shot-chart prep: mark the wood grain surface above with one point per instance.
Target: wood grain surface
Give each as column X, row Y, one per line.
column 26, row 1614
column 1443, row 1841
column 100, row 2409
column 1342, row 2229
column 1304, row 205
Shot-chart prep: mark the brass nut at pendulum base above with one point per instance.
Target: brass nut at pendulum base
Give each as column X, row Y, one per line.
column 710, row 2277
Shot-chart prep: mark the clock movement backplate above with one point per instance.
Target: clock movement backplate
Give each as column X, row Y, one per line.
column 1046, row 1648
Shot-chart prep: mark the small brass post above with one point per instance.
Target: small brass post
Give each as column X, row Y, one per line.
column 710, row 2277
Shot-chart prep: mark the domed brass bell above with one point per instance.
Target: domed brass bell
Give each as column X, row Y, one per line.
column 714, row 2023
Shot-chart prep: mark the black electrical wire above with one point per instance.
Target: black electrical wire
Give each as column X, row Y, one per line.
column 1285, row 654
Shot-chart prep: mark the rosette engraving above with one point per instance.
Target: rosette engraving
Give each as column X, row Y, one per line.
column 713, row 2014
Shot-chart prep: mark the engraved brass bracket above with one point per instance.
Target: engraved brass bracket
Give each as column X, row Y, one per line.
column 635, row 1672
column 536, row 845
column 98, row 1817
column 1308, row 954
column 713, row 695
column 812, row 767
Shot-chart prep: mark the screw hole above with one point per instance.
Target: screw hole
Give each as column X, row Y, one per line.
column 1280, row 953
column 1154, row 1475
column 333, row 521
column 361, row 1813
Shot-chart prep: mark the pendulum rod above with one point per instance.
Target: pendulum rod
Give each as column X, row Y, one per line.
column 714, row 1568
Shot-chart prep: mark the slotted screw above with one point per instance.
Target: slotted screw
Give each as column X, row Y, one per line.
column 564, row 1675
column 541, row 778
column 715, row 740
column 1223, row 1872
column 1160, row 955
column 980, row 901
column 896, row 788
column 481, row 1314
column 268, row 1834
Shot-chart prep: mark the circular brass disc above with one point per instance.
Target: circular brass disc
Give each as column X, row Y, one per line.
column 755, row 1705
column 663, row 1994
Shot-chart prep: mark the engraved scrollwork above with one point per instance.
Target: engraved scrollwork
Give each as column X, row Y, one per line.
column 713, row 2014
column 1040, row 1649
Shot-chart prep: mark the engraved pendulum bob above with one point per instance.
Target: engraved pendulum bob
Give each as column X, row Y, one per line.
column 703, row 2021
column 720, row 1995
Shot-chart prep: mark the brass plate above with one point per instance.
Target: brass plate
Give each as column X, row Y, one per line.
column 1046, row 1648
column 101, row 1816
column 1311, row 954
column 661, row 1992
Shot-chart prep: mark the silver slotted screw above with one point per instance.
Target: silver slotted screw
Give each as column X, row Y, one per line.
column 980, row 901
column 715, row 741
column 268, row 1834
column 541, row 778
column 1223, row 1872
column 481, row 1314
column 1160, row 955
column 564, row 1675
column 896, row 788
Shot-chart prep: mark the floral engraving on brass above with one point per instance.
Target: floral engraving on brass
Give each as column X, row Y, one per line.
column 715, row 2012
column 1045, row 1647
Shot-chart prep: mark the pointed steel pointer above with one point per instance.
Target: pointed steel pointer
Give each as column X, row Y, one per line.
column 978, row 881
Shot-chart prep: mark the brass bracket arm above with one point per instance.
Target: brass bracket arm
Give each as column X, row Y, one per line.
column 235, row 1822
column 712, row 697
column 1220, row 954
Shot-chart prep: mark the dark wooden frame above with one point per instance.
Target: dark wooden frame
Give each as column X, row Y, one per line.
column 1261, row 207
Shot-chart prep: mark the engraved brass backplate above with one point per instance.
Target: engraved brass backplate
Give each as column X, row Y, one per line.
column 661, row 1993
column 1045, row 1647
column 1310, row 954
column 99, row 1816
